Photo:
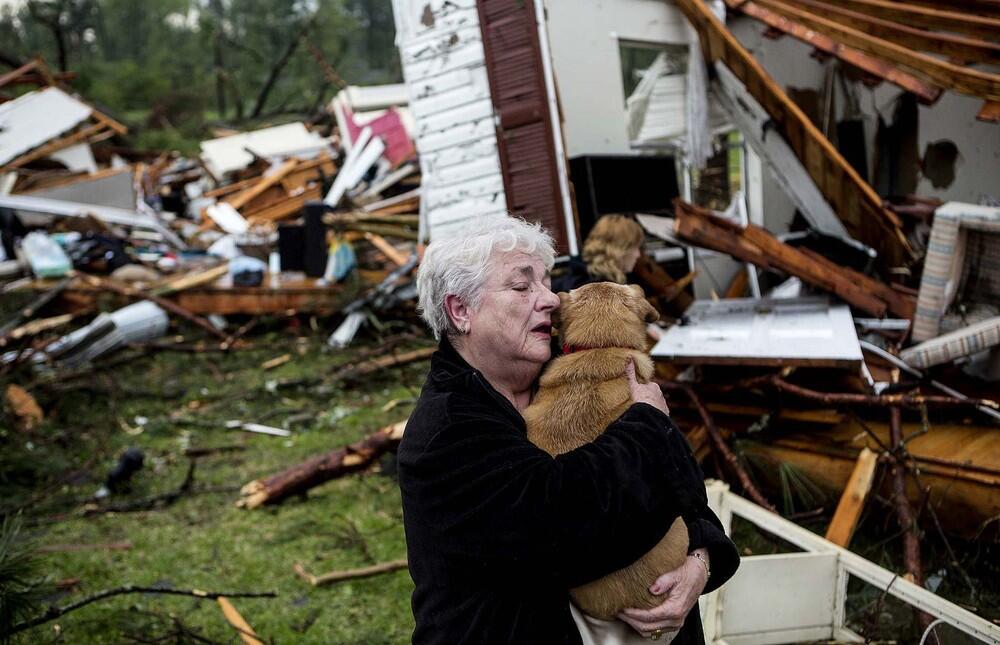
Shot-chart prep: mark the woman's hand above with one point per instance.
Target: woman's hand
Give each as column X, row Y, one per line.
column 645, row 392
column 680, row 588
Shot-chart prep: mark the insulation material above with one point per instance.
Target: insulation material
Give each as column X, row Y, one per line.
column 948, row 265
column 36, row 118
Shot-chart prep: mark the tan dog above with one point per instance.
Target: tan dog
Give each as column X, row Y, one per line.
column 580, row 394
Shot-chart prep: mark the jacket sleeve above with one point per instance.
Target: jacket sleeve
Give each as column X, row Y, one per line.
column 705, row 531
column 487, row 500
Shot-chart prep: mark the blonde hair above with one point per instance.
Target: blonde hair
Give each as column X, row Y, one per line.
column 607, row 243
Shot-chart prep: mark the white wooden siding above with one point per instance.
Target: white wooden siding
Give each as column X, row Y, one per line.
column 444, row 67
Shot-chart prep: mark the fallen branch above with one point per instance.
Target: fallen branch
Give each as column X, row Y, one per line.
column 885, row 400
column 904, row 512
column 720, row 445
column 350, row 574
column 317, row 470
column 55, row 612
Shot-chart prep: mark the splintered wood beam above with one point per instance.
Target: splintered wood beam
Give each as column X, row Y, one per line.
column 956, row 46
column 961, row 79
column 754, row 244
column 926, row 92
column 852, row 502
column 853, row 200
column 927, row 18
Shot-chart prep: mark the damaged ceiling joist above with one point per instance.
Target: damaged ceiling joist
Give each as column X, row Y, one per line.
column 957, row 47
column 850, row 196
column 927, row 18
column 926, row 92
column 949, row 75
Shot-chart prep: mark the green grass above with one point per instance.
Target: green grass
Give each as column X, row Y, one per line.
column 203, row 541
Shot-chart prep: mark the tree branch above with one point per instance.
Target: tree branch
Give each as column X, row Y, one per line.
column 55, row 612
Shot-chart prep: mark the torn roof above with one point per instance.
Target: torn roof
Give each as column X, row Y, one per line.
column 921, row 49
column 35, row 118
column 237, row 151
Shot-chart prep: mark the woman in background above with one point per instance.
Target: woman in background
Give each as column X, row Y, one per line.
column 610, row 252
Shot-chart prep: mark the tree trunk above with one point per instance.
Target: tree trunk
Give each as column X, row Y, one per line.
column 317, row 470
column 277, row 68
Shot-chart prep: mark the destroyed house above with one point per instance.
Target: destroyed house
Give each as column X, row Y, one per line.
column 775, row 149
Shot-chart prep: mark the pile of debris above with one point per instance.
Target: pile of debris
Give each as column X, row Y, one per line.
column 289, row 219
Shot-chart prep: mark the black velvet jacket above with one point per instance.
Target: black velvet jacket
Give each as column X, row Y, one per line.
column 497, row 530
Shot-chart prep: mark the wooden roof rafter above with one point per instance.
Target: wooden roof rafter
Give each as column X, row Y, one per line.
column 914, row 15
column 955, row 77
column 988, row 8
column 853, row 200
column 959, row 48
column 926, row 92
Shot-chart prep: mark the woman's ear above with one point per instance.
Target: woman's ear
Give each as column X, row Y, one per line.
column 458, row 313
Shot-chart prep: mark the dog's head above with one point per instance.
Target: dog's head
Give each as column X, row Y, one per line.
column 605, row 314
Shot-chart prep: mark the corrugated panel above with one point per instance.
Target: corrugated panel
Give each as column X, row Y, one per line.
column 524, row 129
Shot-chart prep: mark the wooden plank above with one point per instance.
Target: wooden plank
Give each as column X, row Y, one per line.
column 926, row 92
column 961, row 79
column 756, row 245
column 852, row 502
column 285, row 208
column 13, row 75
column 276, row 295
column 926, row 18
column 900, row 304
column 56, row 145
column 958, row 47
column 388, row 250
column 245, row 197
column 891, row 245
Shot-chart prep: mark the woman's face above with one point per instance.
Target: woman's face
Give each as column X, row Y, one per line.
column 514, row 320
column 630, row 258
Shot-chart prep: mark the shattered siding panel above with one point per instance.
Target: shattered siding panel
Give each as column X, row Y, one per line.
column 445, row 70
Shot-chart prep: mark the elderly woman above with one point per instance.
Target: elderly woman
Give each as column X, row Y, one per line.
column 497, row 530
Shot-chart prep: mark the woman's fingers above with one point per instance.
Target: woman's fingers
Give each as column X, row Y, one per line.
column 667, row 612
column 645, row 392
column 646, row 628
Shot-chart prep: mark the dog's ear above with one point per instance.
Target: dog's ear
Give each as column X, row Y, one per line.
column 641, row 306
column 648, row 312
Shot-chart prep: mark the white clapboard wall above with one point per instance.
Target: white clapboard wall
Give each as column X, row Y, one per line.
column 444, row 67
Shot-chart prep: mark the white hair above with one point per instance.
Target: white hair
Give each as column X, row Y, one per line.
column 458, row 264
